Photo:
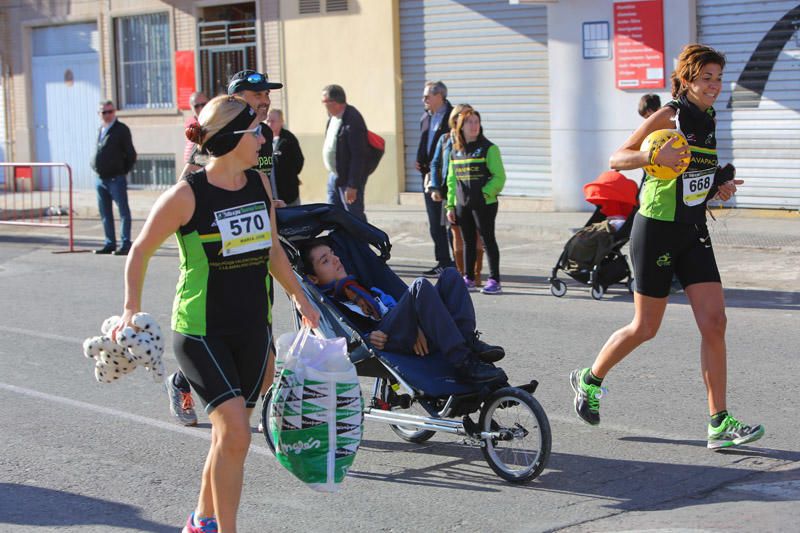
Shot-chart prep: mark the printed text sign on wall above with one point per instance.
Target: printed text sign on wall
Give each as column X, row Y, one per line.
column 639, row 44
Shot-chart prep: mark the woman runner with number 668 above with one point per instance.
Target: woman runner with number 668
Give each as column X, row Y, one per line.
column 669, row 236
column 224, row 221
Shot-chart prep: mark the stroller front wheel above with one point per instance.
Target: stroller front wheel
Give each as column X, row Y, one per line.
column 516, row 434
column 558, row 288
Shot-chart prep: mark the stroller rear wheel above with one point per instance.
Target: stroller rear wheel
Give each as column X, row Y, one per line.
column 516, row 434
column 407, row 433
column 598, row 292
column 266, row 405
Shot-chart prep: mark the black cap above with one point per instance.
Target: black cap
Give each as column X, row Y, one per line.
column 250, row 80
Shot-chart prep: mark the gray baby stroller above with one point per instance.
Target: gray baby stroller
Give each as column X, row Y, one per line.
column 417, row 397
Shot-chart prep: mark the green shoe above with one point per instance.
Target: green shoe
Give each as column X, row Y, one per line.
column 587, row 397
column 732, row 433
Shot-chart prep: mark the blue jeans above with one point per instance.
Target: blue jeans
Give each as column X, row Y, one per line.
column 336, row 197
column 444, row 313
column 441, row 246
column 115, row 189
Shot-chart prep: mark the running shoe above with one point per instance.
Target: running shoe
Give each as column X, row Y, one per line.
column 587, row 397
column 209, row 525
column 471, row 287
column 181, row 404
column 732, row 433
column 492, row 287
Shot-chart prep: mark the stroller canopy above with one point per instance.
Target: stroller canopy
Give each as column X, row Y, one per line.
column 613, row 193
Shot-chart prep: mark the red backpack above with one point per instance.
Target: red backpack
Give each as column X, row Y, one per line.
column 376, row 146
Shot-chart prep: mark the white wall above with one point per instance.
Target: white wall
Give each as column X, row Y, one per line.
column 589, row 117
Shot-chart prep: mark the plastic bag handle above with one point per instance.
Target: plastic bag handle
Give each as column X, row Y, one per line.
column 299, row 340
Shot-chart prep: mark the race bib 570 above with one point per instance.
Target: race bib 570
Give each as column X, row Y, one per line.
column 244, row 228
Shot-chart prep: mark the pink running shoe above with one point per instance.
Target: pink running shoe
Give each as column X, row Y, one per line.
column 208, row 525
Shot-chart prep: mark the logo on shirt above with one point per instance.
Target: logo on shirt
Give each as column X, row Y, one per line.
column 664, row 260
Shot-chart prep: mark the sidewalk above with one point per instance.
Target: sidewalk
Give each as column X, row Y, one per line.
column 745, row 228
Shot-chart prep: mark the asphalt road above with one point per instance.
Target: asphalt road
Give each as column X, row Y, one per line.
column 81, row 456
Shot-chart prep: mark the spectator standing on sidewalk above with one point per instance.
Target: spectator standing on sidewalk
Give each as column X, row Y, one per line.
column 438, row 192
column 197, row 102
column 344, row 152
column 114, row 158
column 433, row 125
column 474, row 180
column 287, row 159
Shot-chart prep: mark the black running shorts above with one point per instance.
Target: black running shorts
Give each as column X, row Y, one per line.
column 222, row 367
column 660, row 248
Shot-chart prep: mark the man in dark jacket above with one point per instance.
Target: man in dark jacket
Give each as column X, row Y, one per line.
column 344, row 152
column 113, row 160
column 433, row 125
column 287, row 159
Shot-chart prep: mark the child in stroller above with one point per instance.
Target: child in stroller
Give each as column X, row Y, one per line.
column 442, row 314
column 417, row 396
column 592, row 256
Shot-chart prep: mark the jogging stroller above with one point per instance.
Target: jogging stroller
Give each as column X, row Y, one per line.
column 593, row 255
column 416, row 396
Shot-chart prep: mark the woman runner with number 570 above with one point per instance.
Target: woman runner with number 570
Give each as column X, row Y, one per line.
column 224, row 221
column 669, row 236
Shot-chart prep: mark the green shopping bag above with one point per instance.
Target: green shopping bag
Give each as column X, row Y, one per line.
column 316, row 414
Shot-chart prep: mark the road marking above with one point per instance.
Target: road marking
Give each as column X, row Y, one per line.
column 197, row 433
column 40, row 335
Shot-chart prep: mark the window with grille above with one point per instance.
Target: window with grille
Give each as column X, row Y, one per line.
column 225, row 47
column 144, row 69
column 309, row 6
column 153, row 171
column 335, row 5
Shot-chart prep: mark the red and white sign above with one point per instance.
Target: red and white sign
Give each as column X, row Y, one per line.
column 639, row 44
column 184, row 75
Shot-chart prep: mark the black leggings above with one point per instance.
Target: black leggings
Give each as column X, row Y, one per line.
column 479, row 219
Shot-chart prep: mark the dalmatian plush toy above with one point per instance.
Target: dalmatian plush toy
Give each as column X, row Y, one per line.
column 139, row 346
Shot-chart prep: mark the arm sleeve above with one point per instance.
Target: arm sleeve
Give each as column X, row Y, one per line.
column 498, row 179
column 436, row 165
column 130, row 151
column 451, row 186
column 357, row 141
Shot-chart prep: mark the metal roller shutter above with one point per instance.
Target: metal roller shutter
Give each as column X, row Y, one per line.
column 493, row 56
column 758, row 112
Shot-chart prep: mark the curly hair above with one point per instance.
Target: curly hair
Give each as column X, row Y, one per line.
column 691, row 61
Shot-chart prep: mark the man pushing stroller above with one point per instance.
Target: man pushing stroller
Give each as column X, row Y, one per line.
column 442, row 314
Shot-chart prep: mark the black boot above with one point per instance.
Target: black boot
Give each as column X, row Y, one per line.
column 486, row 352
column 471, row 369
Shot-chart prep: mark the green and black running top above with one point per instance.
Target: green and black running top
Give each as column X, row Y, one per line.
column 684, row 198
column 224, row 282
column 475, row 175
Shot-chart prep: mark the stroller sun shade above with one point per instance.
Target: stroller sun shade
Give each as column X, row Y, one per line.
column 613, row 193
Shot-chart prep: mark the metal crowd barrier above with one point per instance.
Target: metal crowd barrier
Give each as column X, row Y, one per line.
column 42, row 198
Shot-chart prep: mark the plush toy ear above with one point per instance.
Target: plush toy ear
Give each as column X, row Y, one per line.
column 109, row 324
column 92, row 346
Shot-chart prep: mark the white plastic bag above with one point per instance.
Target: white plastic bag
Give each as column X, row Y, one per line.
column 316, row 414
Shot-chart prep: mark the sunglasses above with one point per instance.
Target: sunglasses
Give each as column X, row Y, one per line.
column 255, row 131
column 107, row 111
column 199, row 106
column 256, row 78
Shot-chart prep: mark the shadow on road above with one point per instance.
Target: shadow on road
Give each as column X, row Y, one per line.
column 625, row 484
column 37, row 506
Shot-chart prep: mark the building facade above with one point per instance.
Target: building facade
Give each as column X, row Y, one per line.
column 543, row 74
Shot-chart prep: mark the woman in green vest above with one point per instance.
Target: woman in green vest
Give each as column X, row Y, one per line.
column 670, row 236
column 475, row 178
